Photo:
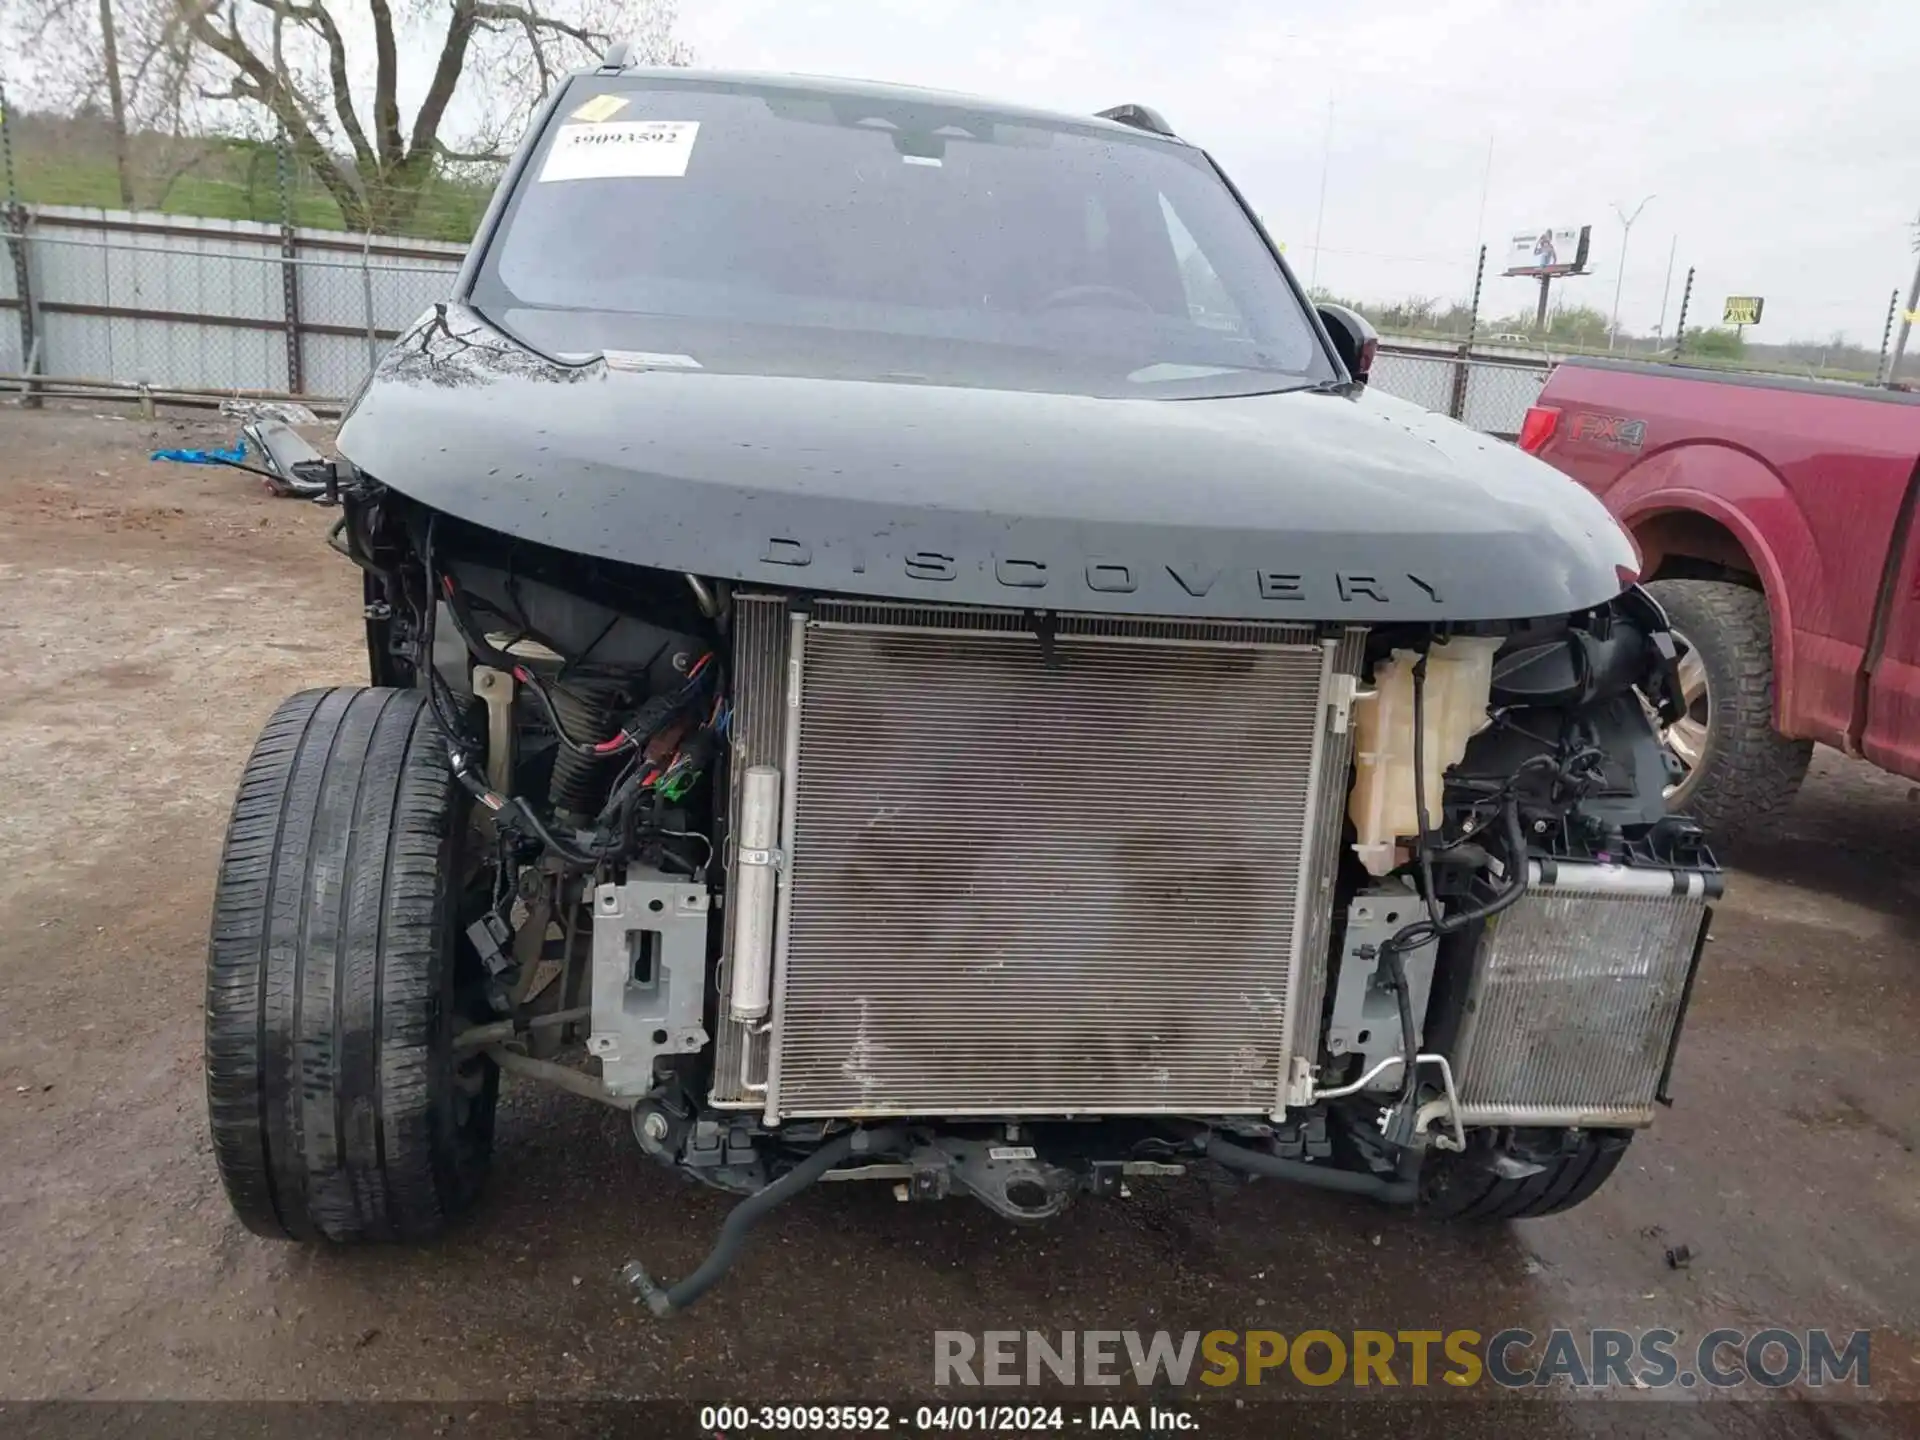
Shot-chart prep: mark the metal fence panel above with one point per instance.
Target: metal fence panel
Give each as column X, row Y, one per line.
column 1426, row 380
column 164, row 346
column 1498, row 396
column 199, row 303
column 342, row 299
column 1487, row 395
column 402, row 293
column 336, row 365
column 12, row 360
column 332, row 294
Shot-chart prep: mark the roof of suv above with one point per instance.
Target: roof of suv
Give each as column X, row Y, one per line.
column 827, row 85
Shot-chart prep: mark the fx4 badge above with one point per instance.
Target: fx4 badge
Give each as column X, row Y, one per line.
column 1610, row 432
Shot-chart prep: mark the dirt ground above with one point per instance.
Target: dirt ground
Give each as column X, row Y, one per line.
column 150, row 618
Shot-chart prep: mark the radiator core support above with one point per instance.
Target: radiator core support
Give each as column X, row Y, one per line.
column 1061, row 865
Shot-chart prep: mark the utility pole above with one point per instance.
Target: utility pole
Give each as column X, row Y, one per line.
column 14, row 220
column 1906, row 318
column 1880, row 373
column 1320, row 218
column 1486, row 185
column 289, row 242
column 1666, row 289
column 1626, row 234
column 1473, row 314
column 1680, row 327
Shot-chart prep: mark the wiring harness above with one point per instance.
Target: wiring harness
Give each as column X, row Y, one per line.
column 670, row 741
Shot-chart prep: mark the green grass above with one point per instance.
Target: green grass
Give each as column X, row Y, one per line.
column 239, row 182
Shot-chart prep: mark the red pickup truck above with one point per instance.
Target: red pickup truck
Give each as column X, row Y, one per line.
column 1775, row 520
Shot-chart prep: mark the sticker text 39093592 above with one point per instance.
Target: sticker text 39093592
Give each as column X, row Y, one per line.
column 621, row 150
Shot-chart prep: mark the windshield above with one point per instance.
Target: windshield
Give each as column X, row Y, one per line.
column 782, row 229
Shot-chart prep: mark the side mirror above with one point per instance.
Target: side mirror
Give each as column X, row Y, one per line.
column 1355, row 340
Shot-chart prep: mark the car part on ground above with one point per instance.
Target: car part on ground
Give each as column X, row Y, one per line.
column 1740, row 770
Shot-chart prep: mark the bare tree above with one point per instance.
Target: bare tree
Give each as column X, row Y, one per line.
column 116, row 101
column 111, row 53
column 327, row 75
column 89, row 64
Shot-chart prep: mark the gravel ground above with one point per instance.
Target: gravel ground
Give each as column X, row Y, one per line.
column 150, row 618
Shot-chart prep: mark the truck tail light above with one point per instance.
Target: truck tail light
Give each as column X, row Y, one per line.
column 1539, row 427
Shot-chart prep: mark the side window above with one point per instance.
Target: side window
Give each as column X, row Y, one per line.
column 1208, row 303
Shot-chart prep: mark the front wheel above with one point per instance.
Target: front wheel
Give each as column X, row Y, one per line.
column 1535, row 1174
column 336, row 1105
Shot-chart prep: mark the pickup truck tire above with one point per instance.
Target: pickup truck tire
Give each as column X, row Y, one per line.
column 336, row 1108
column 1748, row 771
column 1463, row 1188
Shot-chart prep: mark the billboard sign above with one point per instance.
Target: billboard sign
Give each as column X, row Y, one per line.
column 1549, row 250
column 1743, row 309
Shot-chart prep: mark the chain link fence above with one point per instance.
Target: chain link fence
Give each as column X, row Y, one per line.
column 1488, row 394
column 76, row 159
column 13, row 353
column 144, row 300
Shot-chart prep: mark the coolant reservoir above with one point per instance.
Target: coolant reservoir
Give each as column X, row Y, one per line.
column 1454, row 705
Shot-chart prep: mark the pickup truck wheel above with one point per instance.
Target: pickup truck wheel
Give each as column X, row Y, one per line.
column 1465, row 1188
column 336, row 1105
column 1740, row 770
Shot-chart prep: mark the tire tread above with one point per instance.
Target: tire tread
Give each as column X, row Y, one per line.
column 329, row 1079
column 1464, row 1191
column 1752, row 771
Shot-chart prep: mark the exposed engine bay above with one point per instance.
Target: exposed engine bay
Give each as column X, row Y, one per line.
column 1027, row 905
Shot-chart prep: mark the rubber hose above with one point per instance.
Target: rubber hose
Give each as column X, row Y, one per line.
column 748, row 1213
column 1349, row 1182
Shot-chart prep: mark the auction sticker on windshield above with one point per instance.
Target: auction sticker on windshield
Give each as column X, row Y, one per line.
column 622, row 150
column 600, row 107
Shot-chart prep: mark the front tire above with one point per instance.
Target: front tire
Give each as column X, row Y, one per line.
column 1468, row 1188
column 1741, row 772
column 336, row 1108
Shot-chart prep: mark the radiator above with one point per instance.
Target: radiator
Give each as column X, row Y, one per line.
column 1081, row 871
column 1576, row 996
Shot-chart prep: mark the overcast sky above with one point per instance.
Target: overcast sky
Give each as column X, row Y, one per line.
column 1782, row 140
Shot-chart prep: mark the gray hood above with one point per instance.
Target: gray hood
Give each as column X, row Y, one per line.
column 1300, row 505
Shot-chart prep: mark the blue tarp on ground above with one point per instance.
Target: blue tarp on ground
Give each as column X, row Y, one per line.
column 206, row 457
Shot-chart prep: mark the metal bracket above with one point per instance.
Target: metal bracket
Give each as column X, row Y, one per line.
column 1341, row 692
column 495, row 687
column 644, row 1011
column 1364, row 1018
column 1299, row 1089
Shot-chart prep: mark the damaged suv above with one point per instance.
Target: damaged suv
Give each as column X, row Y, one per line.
column 904, row 649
